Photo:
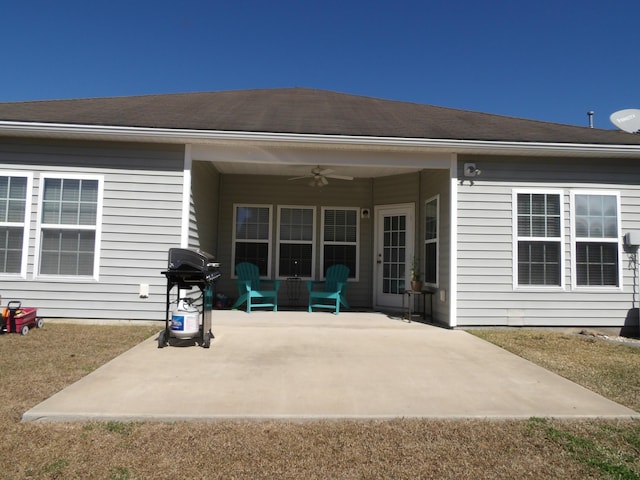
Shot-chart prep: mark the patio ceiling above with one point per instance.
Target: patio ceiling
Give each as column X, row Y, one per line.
column 241, row 168
column 297, row 160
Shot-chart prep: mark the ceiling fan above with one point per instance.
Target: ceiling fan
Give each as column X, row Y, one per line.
column 319, row 175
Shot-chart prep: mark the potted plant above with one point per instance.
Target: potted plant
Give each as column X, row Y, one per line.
column 414, row 273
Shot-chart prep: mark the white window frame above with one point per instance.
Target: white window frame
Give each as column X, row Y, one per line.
column 234, row 239
column 25, row 224
column 436, row 240
column 516, row 238
column 356, row 278
column 97, row 228
column 312, row 242
column 575, row 239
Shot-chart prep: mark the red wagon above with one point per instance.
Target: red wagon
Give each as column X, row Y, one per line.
column 18, row 319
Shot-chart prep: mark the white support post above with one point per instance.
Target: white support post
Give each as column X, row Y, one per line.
column 186, row 197
column 453, row 242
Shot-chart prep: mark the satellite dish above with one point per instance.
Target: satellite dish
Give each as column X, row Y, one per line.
column 627, row 120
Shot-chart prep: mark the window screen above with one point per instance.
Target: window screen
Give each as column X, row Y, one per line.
column 596, row 248
column 296, row 242
column 68, row 226
column 539, row 238
column 252, row 236
column 340, row 238
column 13, row 198
column 431, row 242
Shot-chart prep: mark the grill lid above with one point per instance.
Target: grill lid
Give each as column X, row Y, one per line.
column 191, row 258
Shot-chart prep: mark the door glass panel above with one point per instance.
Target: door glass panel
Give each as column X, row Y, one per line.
column 394, row 254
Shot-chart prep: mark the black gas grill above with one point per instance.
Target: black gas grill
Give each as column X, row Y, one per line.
column 188, row 268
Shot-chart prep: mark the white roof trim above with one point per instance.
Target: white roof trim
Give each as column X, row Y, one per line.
column 168, row 135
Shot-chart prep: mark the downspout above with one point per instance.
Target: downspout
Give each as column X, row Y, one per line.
column 453, row 242
column 186, row 197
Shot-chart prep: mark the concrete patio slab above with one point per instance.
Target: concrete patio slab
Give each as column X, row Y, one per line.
column 296, row 365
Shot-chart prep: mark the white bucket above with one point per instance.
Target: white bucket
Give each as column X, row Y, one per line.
column 185, row 321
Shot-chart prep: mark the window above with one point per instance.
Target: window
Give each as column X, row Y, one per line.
column 252, row 236
column 340, row 238
column 14, row 215
column 296, row 235
column 431, row 242
column 70, row 211
column 296, row 252
column 539, row 238
column 596, row 246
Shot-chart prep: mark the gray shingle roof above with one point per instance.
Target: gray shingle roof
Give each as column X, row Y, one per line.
column 304, row 111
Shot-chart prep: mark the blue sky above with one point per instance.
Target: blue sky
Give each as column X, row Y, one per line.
column 550, row 60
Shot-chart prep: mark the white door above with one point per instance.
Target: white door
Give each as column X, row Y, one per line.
column 394, row 228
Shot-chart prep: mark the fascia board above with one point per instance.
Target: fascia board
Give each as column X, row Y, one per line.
column 187, row 136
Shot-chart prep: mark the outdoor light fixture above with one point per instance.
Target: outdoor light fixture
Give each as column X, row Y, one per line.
column 318, row 181
column 470, row 170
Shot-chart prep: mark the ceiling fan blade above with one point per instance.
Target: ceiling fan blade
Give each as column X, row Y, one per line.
column 340, row 177
column 319, row 176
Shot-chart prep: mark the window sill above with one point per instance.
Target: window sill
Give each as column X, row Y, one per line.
column 597, row 289
column 540, row 288
column 66, row 278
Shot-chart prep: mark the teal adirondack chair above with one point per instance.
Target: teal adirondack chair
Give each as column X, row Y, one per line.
column 333, row 292
column 251, row 288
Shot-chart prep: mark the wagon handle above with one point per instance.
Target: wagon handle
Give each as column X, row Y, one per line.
column 12, row 303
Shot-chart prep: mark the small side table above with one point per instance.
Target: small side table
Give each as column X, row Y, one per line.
column 294, row 289
column 418, row 293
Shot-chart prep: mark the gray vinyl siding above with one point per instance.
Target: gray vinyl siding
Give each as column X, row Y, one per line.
column 277, row 190
column 486, row 295
column 203, row 207
column 140, row 222
column 394, row 189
